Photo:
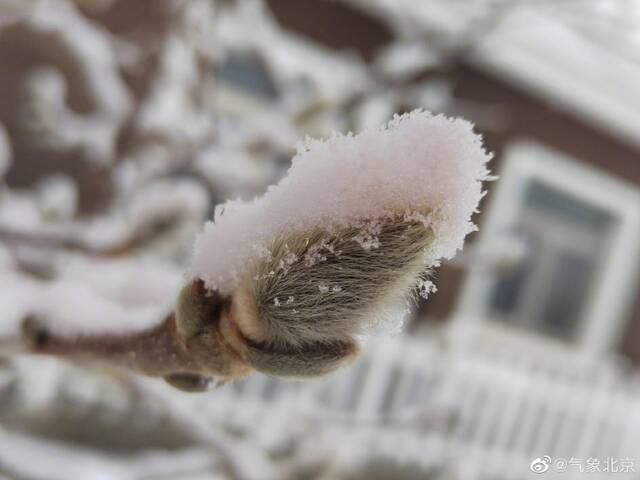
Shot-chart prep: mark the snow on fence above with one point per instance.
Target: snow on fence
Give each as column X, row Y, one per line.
column 490, row 414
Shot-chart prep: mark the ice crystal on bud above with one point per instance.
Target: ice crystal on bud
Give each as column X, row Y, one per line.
column 426, row 287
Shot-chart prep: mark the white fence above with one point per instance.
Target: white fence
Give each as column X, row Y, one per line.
column 490, row 415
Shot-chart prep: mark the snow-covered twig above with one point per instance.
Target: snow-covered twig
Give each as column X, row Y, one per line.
column 285, row 283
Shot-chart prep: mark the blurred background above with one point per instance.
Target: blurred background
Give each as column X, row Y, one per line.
column 123, row 123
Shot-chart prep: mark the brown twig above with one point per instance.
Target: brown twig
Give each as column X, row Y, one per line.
column 186, row 359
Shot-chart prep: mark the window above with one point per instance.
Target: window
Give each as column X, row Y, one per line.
column 548, row 289
column 580, row 229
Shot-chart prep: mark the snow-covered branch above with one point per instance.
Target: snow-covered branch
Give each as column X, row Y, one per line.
column 282, row 284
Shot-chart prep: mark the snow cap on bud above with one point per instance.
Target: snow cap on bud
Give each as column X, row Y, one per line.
column 336, row 243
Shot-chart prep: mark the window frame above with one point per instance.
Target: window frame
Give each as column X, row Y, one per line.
column 606, row 313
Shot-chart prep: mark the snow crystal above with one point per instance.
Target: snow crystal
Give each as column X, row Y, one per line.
column 325, row 288
column 317, row 252
column 427, row 167
column 426, row 287
column 288, row 260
